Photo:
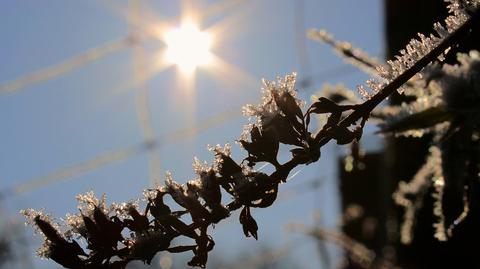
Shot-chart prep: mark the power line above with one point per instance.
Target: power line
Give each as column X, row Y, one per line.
column 300, row 36
column 65, row 66
column 77, row 169
column 111, row 157
column 141, row 96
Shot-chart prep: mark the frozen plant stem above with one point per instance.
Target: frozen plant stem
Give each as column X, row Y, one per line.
column 356, row 57
column 365, row 108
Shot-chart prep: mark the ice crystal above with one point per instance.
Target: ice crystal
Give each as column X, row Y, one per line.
column 461, row 82
column 88, row 202
column 225, row 150
column 43, row 251
column 124, row 209
column 76, row 225
column 366, row 95
column 430, row 172
column 199, row 167
column 30, row 214
column 374, row 85
column 437, row 195
column 455, row 87
column 418, row 48
column 219, row 152
column 463, row 215
column 175, row 189
column 245, row 135
column 268, row 108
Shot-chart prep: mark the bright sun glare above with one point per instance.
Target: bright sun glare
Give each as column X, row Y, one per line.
column 188, row 47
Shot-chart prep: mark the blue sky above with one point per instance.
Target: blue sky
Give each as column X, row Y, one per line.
column 89, row 111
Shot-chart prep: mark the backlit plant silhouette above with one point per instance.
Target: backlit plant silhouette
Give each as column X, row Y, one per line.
column 117, row 234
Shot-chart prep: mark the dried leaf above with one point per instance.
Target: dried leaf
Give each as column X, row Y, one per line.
column 249, row 224
column 288, row 105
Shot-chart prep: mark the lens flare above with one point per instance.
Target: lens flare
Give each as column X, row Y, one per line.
column 188, row 47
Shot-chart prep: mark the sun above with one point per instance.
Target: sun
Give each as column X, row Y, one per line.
column 188, row 47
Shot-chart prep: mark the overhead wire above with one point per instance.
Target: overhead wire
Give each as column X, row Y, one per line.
column 300, row 44
column 77, row 169
column 111, row 157
column 141, row 94
column 65, row 66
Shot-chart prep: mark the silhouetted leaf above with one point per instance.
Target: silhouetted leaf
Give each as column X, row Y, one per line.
column 325, row 105
column 281, row 127
column 249, row 224
column 157, row 207
column 204, row 245
column 48, row 230
column 288, row 105
column 264, row 146
column 228, row 167
column 138, row 223
column 268, row 198
column 146, row 246
column 61, row 251
column 210, row 190
column 111, row 231
column 179, row 226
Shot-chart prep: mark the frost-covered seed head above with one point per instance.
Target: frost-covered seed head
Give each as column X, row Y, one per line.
column 88, row 202
column 268, row 108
